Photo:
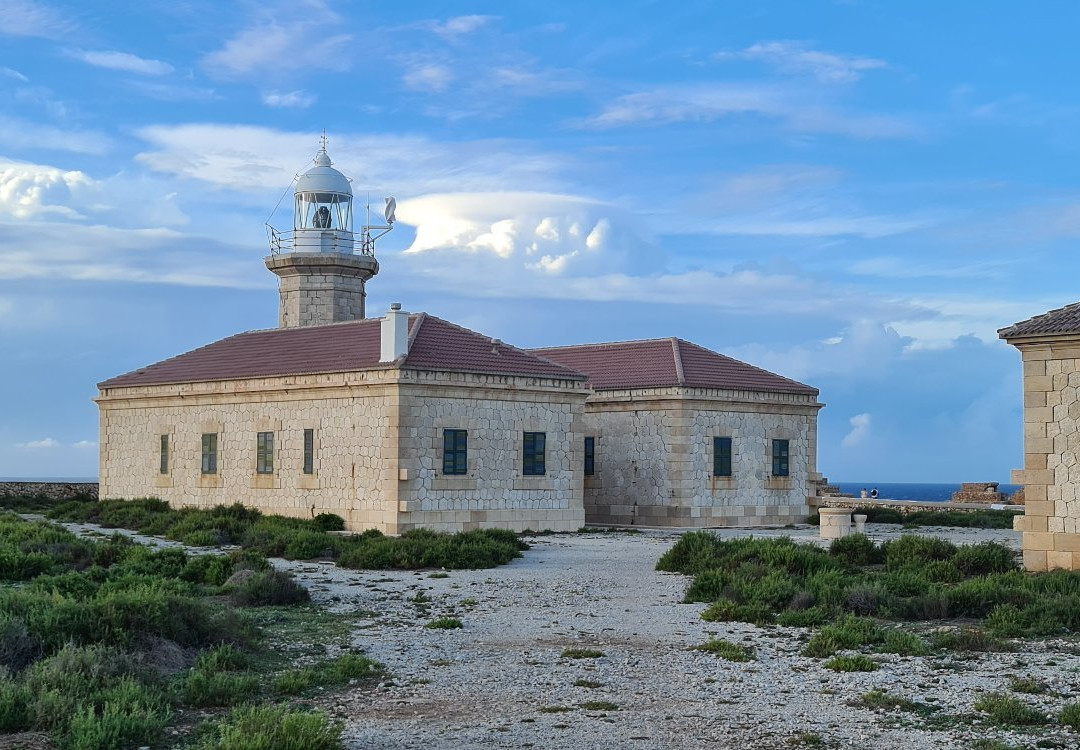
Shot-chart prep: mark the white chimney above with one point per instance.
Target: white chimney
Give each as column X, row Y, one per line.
column 395, row 334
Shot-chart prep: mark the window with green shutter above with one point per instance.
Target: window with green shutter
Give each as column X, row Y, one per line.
column 534, row 454
column 264, row 453
column 721, row 459
column 209, row 453
column 455, row 459
column 780, row 457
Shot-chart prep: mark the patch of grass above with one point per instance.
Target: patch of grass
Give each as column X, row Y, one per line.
column 1028, row 685
column 847, row 633
column 968, row 639
column 591, row 684
column 599, row 706
column 337, row 672
column 878, row 699
column 270, row 727
column 439, row 575
column 728, row 650
column 444, row 623
column 1070, row 716
column 903, row 643
column 202, row 689
column 269, row 588
column 581, row 653
column 807, row 739
column 555, row 709
column 851, row 663
column 1005, row 710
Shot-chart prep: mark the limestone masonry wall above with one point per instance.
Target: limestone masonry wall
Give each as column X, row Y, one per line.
column 51, row 490
column 1051, row 474
column 654, row 458
column 493, row 492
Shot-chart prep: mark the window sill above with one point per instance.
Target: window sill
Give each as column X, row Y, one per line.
column 265, row 482
column 308, row 482
column 210, row 480
column 453, row 482
column 778, row 483
column 722, row 483
column 540, row 482
column 163, row 480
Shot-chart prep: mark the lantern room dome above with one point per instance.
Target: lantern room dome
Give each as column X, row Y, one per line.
column 323, row 178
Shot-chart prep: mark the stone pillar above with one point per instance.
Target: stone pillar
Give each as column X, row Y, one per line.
column 834, row 523
column 1051, row 473
column 321, row 288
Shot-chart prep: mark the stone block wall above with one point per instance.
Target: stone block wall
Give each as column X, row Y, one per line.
column 1051, row 473
column 654, row 458
column 354, row 453
column 316, row 288
column 494, row 493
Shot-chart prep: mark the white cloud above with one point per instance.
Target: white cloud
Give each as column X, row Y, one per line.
column 292, row 99
column 32, row 190
column 85, row 444
column 459, row 25
column 31, row 18
column 43, row 443
column 123, row 61
column 428, row 77
column 263, row 161
column 17, row 134
column 12, row 73
column 799, row 58
column 795, row 109
column 285, row 38
column 860, row 431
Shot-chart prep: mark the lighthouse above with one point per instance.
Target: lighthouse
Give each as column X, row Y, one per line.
column 322, row 264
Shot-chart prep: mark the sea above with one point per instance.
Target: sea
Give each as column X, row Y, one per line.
column 930, row 492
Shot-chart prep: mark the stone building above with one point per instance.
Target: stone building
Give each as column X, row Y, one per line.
column 1049, row 345
column 411, row 421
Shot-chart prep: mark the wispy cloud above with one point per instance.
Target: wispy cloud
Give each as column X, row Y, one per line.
column 287, row 39
column 12, row 73
column 427, row 76
column 43, row 443
column 16, row 133
column 796, row 110
column 800, row 59
column 123, row 61
column 31, row 18
column 289, row 99
column 459, row 25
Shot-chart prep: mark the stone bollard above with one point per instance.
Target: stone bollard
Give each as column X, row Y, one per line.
column 834, row 522
column 860, row 523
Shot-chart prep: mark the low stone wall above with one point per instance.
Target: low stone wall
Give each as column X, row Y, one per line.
column 908, row 506
column 51, row 490
column 979, row 492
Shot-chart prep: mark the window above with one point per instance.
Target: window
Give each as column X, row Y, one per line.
column 309, row 451
column 164, row 461
column 264, row 453
column 533, row 454
column 721, row 456
column 455, row 457
column 590, row 456
column 779, row 458
column 209, row 453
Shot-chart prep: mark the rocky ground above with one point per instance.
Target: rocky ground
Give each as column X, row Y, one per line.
column 501, row 681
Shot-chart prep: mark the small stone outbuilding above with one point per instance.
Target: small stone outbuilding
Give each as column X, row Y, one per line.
column 1050, row 347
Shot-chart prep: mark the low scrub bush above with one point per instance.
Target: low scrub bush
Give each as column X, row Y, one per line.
column 1028, row 685
column 855, row 549
column 981, row 559
column 851, row 663
column 1070, row 716
column 269, row 587
column 967, row 639
column 328, row 522
column 847, row 633
column 444, row 623
column 422, row 548
column 1009, row 711
column 916, row 551
column 582, row 653
column 878, row 699
column 727, row 649
column 203, row 689
column 903, row 643
column 272, row 728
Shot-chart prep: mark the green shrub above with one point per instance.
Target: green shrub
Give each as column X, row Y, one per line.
column 225, row 658
column 581, row 653
column 916, row 550
column 1009, row 711
column 16, row 714
column 349, row 666
column 877, row 699
column 444, row 623
column 727, row 649
column 1029, row 685
column 847, row 633
column 295, row 681
column 1070, row 716
column 328, row 522
column 202, row 689
column 269, row 587
column 1006, row 621
column 967, row 639
column 811, row 617
column 126, row 715
column 695, row 552
column 726, row 610
column 855, row 549
column 599, row 706
column 981, row 559
column 903, row 643
column 851, row 663
column 18, row 647
column 212, row 570
column 308, row 544
column 273, row 728
column 423, row 548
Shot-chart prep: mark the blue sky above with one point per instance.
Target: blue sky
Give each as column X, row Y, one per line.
column 853, row 194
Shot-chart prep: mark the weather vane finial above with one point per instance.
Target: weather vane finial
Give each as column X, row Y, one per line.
column 323, row 139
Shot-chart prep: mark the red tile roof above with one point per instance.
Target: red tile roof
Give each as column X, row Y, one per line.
column 1062, row 320
column 435, row 344
column 658, row 363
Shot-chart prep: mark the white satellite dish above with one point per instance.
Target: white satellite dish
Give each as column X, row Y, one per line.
column 391, row 207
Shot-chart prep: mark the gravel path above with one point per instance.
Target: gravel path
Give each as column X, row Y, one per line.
column 501, row 681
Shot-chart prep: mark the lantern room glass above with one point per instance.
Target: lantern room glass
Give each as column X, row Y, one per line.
column 323, row 211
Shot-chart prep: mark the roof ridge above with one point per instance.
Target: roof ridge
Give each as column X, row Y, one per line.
column 420, row 317
column 609, row 343
column 1049, row 315
column 526, row 352
column 678, row 361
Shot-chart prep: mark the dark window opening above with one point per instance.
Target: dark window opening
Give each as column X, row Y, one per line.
column 164, row 460
column 309, row 451
column 534, row 453
column 209, row 452
column 455, row 458
column 721, row 456
column 780, row 458
column 264, row 453
column 590, row 456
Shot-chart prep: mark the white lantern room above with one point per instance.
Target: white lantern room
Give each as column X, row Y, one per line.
column 323, row 212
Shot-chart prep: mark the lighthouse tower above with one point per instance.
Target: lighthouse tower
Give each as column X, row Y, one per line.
column 322, row 264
